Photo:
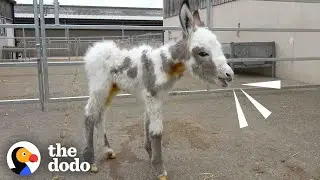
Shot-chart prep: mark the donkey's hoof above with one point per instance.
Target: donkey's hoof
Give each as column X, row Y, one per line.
column 163, row 178
column 111, row 155
column 56, row 178
column 94, row 168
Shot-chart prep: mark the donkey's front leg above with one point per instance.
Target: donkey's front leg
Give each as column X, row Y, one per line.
column 154, row 112
column 93, row 111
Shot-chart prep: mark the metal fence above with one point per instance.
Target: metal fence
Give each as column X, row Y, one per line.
column 71, row 47
column 40, row 48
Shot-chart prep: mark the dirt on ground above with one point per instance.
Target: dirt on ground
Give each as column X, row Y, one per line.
column 202, row 139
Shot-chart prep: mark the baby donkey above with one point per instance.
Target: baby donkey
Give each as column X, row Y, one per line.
column 148, row 74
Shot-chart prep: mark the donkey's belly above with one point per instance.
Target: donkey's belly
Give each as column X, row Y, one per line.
column 127, row 84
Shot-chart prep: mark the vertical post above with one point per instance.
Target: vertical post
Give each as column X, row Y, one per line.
column 56, row 12
column 38, row 47
column 44, row 55
column 68, row 41
column 208, row 19
column 209, row 10
column 122, row 33
column 77, row 46
column 232, row 54
column 274, row 62
column 24, row 44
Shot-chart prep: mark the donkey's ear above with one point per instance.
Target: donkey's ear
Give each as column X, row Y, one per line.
column 186, row 19
column 196, row 19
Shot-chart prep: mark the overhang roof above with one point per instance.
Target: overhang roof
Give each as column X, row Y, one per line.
column 92, row 12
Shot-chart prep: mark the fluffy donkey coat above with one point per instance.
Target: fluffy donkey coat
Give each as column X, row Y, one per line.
column 148, row 74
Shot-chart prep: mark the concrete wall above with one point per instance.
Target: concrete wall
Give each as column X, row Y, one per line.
column 266, row 14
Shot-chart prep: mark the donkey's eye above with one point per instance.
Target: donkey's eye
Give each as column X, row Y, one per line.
column 203, row 54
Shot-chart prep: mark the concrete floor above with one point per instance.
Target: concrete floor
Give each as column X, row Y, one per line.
column 202, row 138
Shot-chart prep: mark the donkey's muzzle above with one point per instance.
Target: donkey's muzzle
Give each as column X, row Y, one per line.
column 229, row 77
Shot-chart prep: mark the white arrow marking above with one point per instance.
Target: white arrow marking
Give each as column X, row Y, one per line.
column 242, row 119
column 264, row 111
column 268, row 84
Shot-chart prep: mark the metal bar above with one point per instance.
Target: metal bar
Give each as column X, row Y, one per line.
column 175, row 93
column 57, row 39
column 264, row 29
column 209, row 9
column 24, row 44
column 66, row 63
column 77, row 47
column 73, row 63
column 38, row 47
column 16, row 60
column 208, row 24
column 157, row 28
column 117, row 27
column 273, row 59
column 172, row 93
column 28, row 49
column 18, row 101
column 68, row 42
column 56, row 12
column 44, row 55
column 68, row 99
column 113, row 27
column 4, row 37
column 122, row 32
column 15, row 26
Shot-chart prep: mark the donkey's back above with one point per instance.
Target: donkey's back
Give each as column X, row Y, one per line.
column 106, row 62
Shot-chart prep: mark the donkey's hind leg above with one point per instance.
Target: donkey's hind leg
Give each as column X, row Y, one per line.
column 114, row 89
column 147, row 141
column 93, row 111
column 110, row 154
column 88, row 153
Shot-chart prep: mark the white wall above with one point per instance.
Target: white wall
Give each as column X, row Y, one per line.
column 9, row 38
column 259, row 14
column 10, row 34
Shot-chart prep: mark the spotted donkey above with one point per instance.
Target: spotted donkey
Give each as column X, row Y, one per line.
column 148, row 73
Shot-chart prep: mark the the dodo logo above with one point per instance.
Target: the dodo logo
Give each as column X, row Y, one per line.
column 23, row 158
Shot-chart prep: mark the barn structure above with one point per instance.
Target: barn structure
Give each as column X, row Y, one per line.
column 262, row 14
column 71, row 42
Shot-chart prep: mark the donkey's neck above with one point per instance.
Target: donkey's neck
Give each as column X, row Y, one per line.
column 173, row 61
column 179, row 50
column 169, row 62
